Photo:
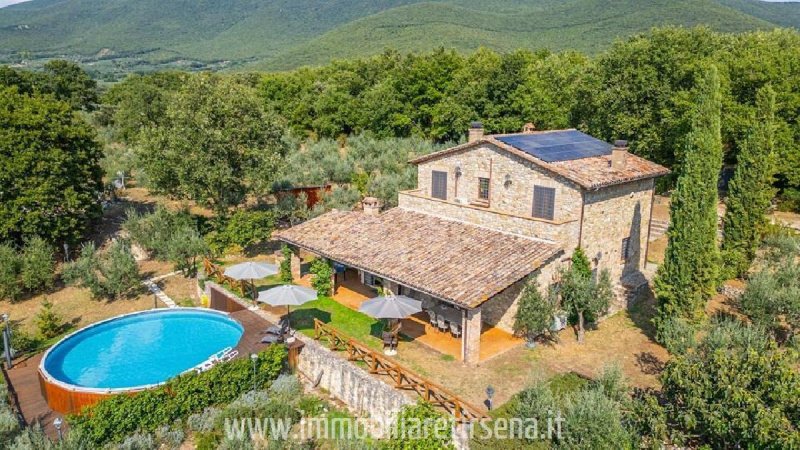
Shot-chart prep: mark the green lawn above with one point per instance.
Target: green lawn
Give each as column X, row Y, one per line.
column 361, row 327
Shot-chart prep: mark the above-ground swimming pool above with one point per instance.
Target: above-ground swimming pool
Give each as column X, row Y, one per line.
column 137, row 351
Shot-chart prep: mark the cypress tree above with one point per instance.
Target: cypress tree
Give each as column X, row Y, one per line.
column 750, row 190
column 690, row 271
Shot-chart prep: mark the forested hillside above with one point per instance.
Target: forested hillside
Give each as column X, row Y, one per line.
column 121, row 35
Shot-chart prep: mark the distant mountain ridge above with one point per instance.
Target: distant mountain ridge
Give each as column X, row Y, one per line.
column 283, row 34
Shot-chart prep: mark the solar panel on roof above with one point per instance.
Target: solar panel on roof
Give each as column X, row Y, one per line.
column 558, row 145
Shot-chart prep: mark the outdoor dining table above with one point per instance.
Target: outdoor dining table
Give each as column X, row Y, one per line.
column 449, row 314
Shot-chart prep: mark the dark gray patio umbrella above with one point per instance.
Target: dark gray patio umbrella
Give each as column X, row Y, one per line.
column 251, row 270
column 287, row 295
column 391, row 307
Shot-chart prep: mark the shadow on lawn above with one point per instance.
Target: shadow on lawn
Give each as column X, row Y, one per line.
column 303, row 319
column 643, row 311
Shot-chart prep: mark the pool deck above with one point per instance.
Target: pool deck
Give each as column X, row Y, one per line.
column 24, row 380
column 24, row 377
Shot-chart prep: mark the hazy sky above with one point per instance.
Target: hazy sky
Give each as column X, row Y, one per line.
column 11, row 2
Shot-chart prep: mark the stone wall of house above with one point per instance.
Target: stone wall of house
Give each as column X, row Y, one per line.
column 365, row 394
column 499, row 311
column 509, row 223
column 511, row 182
column 612, row 214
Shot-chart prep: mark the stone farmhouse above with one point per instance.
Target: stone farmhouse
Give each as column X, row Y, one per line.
column 487, row 214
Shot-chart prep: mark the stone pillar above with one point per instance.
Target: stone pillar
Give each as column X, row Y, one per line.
column 296, row 270
column 471, row 336
column 391, row 287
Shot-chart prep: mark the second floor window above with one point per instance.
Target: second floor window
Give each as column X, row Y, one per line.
column 483, row 188
column 625, row 250
column 439, row 185
column 544, row 202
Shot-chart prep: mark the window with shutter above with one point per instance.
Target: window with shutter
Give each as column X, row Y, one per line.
column 544, row 202
column 483, row 188
column 439, row 185
column 624, row 251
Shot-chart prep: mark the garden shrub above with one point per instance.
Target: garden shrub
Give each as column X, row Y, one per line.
column 286, row 388
column 322, row 270
column 286, row 265
column 115, row 418
column 676, row 334
column 432, row 434
column 9, row 424
column 10, row 263
column 110, row 274
column 38, row 265
column 49, row 323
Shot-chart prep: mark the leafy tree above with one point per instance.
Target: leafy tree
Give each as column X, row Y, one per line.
column 750, row 192
column 241, row 229
column 38, row 265
column 68, row 82
column 10, row 266
column 734, row 397
column 534, row 314
column 581, row 293
column 48, row 322
column 690, row 271
column 139, row 102
column 49, row 170
column 215, row 144
column 322, row 281
column 111, row 274
column 155, row 232
column 185, row 245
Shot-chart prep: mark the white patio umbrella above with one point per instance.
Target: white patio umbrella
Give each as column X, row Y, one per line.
column 251, row 270
column 287, row 295
column 391, row 307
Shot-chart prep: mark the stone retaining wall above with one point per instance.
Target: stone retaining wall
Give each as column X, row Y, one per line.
column 363, row 393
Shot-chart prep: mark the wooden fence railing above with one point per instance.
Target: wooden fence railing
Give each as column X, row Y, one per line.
column 217, row 273
column 401, row 377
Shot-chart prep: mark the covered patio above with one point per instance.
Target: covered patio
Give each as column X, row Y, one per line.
column 452, row 267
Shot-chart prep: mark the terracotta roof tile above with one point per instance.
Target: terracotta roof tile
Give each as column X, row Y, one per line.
column 461, row 263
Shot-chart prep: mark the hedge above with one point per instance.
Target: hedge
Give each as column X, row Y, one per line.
column 112, row 419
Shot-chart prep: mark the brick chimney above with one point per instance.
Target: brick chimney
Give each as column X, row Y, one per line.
column 528, row 128
column 371, row 205
column 475, row 132
column 618, row 154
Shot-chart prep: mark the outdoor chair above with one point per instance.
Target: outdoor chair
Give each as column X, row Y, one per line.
column 455, row 329
column 272, row 339
column 432, row 316
column 389, row 340
column 441, row 323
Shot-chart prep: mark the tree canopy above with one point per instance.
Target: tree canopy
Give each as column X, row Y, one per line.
column 214, row 145
column 49, row 169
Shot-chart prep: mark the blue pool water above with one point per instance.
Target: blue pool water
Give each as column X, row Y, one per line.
column 140, row 349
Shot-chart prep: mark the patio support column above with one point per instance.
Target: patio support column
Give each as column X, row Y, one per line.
column 295, row 263
column 471, row 336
